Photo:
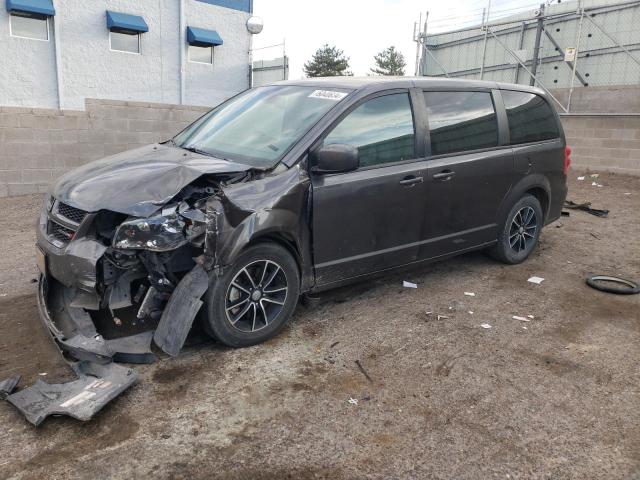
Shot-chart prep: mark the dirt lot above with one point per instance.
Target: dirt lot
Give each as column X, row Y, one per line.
column 556, row 397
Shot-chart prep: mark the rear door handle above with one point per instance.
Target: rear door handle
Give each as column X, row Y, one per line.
column 411, row 181
column 444, row 175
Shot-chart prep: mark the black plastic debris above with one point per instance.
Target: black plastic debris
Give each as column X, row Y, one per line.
column 81, row 399
column 8, row 386
column 586, row 207
column 181, row 310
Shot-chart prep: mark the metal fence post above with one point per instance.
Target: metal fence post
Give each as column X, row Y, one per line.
column 575, row 61
column 485, row 22
column 536, row 47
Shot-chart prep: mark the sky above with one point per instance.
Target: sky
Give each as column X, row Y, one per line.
column 363, row 28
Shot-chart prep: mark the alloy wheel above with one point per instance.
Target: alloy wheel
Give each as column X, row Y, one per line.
column 256, row 296
column 522, row 233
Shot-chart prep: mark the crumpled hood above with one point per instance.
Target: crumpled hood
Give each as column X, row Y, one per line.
column 137, row 182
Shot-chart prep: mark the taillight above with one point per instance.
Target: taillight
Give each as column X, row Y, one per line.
column 567, row 160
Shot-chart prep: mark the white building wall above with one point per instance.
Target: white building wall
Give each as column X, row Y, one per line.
column 89, row 69
column 27, row 68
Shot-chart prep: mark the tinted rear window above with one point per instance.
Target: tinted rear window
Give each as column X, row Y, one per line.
column 460, row 121
column 530, row 117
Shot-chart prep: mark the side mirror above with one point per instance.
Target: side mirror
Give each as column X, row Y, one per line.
column 335, row 158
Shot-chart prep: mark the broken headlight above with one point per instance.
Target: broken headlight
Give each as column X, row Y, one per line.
column 171, row 229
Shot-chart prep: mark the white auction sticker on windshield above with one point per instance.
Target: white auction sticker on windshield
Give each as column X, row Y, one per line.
column 328, row 95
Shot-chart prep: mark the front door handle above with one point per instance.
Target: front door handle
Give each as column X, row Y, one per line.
column 408, row 181
column 444, row 175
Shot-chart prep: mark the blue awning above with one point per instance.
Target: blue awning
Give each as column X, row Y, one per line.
column 36, row 7
column 124, row 23
column 203, row 38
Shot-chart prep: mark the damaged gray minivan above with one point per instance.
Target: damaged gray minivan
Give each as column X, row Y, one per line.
column 286, row 189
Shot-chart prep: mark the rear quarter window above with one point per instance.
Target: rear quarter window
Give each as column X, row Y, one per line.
column 530, row 117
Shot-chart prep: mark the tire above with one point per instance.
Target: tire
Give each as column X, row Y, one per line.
column 235, row 314
column 632, row 287
column 520, row 232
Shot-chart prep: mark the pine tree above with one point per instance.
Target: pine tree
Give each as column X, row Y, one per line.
column 327, row 62
column 389, row 62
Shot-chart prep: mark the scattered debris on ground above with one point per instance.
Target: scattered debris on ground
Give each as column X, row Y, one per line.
column 409, row 284
column 8, row 386
column 629, row 286
column 586, row 207
column 96, row 386
column 536, row 280
column 364, row 372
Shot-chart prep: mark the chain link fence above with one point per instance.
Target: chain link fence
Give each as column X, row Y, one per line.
column 559, row 47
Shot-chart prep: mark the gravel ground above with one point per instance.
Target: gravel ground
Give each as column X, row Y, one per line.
column 556, row 397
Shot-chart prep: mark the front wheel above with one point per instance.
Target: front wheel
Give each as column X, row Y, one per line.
column 254, row 298
column 520, row 232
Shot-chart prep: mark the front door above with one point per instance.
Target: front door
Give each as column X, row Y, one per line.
column 370, row 219
column 469, row 172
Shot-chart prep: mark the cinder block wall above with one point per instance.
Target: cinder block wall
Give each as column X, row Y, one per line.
column 37, row 145
column 604, row 143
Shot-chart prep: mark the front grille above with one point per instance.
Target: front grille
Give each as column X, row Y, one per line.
column 71, row 213
column 59, row 232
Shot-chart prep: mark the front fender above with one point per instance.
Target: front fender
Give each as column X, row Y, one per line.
column 272, row 207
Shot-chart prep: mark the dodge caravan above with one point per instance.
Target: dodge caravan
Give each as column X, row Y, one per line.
column 292, row 188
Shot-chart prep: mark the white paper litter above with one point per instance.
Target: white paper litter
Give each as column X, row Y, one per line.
column 531, row 317
column 470, row 294
column 353, row 401
column 485, row 325
column 580, row 178
column 409, row 284
column 627, row 193
column 537, row 280
column 594, row 175
column 470, row 312
column 522, row 319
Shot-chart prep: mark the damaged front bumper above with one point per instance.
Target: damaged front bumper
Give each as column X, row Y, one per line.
column 103, row 304
column 82, row 341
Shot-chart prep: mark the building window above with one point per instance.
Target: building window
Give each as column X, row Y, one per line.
column 34, row 27
column 201, row 54
column 124, row 42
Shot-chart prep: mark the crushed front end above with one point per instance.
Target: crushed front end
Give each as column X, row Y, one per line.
column 107, row 278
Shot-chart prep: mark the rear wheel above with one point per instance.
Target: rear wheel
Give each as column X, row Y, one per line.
column 520, row 232
column 254, row 298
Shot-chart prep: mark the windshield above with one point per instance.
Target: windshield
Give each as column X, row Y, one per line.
column 259, row 126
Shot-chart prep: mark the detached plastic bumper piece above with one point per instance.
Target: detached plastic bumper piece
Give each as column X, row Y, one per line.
column 81, row 399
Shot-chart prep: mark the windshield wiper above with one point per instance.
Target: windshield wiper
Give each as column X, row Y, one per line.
column 195, row 150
